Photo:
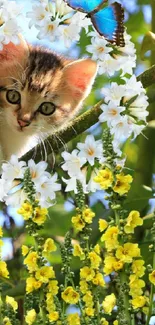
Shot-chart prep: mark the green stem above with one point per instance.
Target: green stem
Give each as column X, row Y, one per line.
column 5, row 280
column 151, row 295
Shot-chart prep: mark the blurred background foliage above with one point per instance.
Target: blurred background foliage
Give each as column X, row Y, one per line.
column 140, row 163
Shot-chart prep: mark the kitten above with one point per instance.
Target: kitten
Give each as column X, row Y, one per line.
column 39, row 93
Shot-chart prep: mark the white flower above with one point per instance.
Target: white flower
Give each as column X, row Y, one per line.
column 116, row 147
column 2, row 189
column 10, row 31
column 114, row 93
column 61, row 8
column 38, row 15
column 49, row 29
column 136, row 129
column 71, row 184
column 73, row 163
column 91, row 149
column 133, row 87
column 92, row 186
column 46, row 188
column 111, row 113
column 13, row 8
column 14, row 169
column 37, row 170
column 98, row 48
column 108, row 66
column 69, row 34
column 16, row 198
column 122, row 128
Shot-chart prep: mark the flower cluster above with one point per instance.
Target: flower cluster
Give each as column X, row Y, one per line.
column 124, row 109
column 112, row 59
column 9, row 28
column 57, row 21
column 12, row 184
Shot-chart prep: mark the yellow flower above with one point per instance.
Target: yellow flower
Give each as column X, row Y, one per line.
column 87, row 273
column 49, row 246
column 70, row 296
column 6, row 321
column 40, row 215
column 138, row 268
column 12, row 302
column 83, row 286
column 53, row 316
column 99, row 280
column 115, row 322
column 30, row 316
column 88, row 215
column 1, row 243
column 111, row 265
column 32, row 284
column 127, row 252
column 78, row 251
column 45, row 273
column 53, row 287
column 89, row 311
column 104, row 321
column 123, row 182
column 78, row 223
column 88, row 299
column 152, row 277
column 103, row 224
column 97, row 249
column 104, row 178
column 50, row 305
column 1, row 232
column 138, row 302
column 26, row 210
column 73, row 319
column 3, row 270
column 110, row 238
column 31, row 261
column 109, row 303
column 25, row 250
column 133, row 220
column 136, row 286
column 95, row 260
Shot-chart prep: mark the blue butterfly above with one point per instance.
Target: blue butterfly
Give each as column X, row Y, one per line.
column 108, row 21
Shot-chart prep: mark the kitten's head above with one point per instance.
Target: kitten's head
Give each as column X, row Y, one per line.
column 40, row 91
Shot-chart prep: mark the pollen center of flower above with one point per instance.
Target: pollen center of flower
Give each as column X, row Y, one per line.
column 113, row 112
column 101, row 49
column 90, row 151
column 50, row 28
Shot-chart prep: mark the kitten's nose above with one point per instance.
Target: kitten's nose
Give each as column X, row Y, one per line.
column 23, row 123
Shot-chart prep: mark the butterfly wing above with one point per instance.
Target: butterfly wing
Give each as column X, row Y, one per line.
column 85, row 5
column 109, row 23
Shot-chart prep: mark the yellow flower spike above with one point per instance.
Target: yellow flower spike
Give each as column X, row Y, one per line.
column 49, row 246
column 88, row 299
column 26, row 210
column 40, row 215
column 104, row 178
column 138, row 268
column 3, row 270
column 30, row 317
column 12, row 302
column 115, row 322
column 109, row 303
column 1, row 232
column 136, row 286
column 50, row 305
column 32, row 284
column 133, row 220
column 123, row 182
column 45, row 273
column 109, row 264
column 70, row 296
column 73, row 319
column 53, row 316
column 138, row 302
column 95, row 260
column 53, row 287
column 88, row 215
column 152, row 277
column 103, row 224
column 78, row 251
column 31, row 261
column 25, row 250
column 127, row 252
column 97, row 249
column 90, row 311
column 87, row 273
column 104, row 321
column 6, row 321
column 78, row 223
column 110, row 237
column 99, row 280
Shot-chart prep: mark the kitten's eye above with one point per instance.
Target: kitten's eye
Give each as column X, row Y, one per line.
column 47, row 108
column 13, row 96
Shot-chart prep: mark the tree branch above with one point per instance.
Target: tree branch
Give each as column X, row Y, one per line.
column 80, row 124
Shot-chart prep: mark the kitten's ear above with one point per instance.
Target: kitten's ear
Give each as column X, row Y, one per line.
column 12, row 52
column 80, row 75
